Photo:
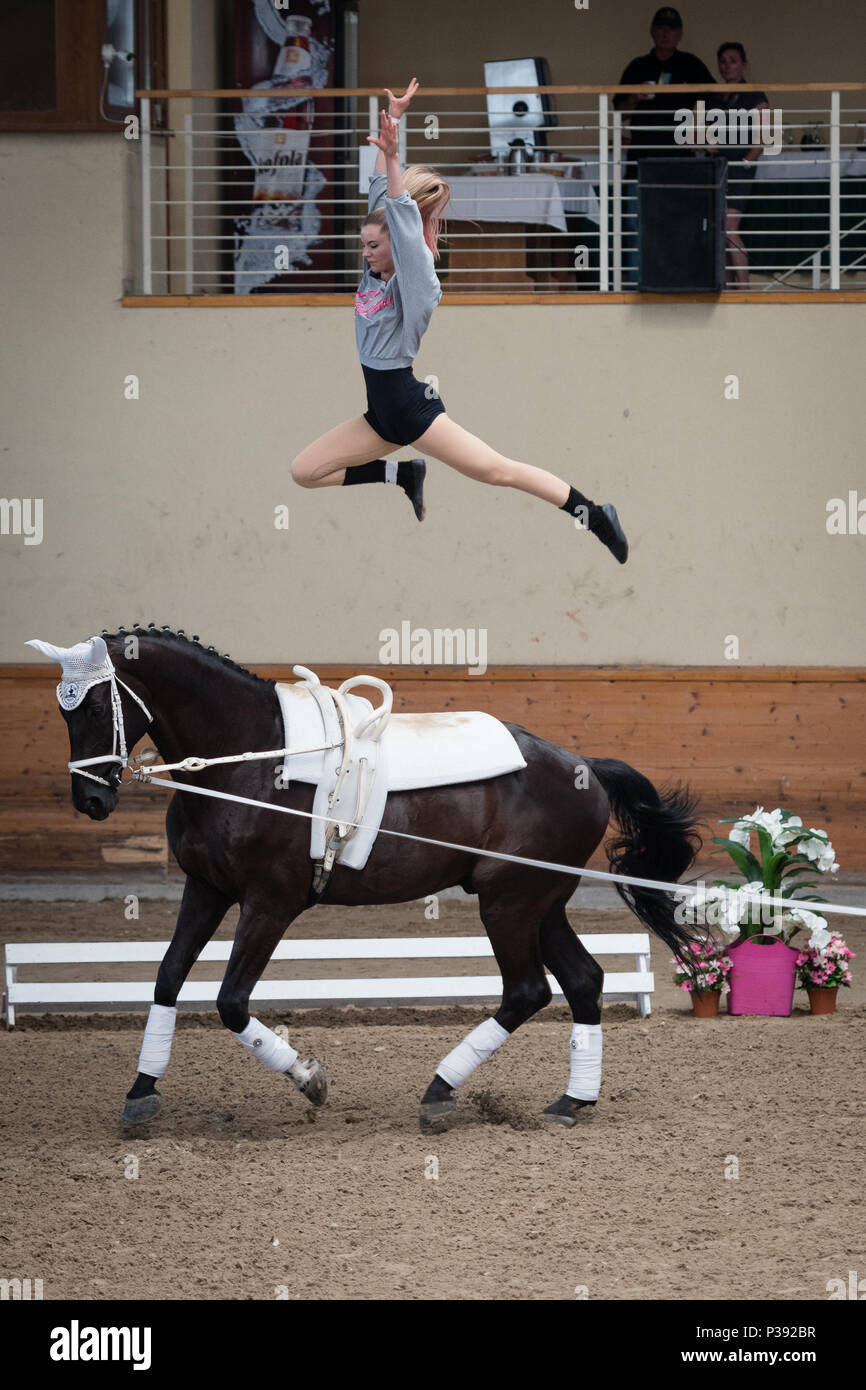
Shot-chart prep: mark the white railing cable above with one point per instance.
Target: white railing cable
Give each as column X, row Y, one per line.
column 218, row 198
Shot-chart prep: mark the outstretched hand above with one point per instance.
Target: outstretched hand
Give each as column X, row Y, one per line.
column 398, row 105
column 387, row 137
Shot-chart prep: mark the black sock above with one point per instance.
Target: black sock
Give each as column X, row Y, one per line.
column 375, row 472
column 366, row 473
column 576, row 499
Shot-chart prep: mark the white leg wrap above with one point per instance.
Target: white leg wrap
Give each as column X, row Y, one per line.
column 264, row 1044
column 584, row 1082
column 156, row 1047
column 475, row 1048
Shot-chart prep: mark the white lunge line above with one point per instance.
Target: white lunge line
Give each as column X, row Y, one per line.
column 145, row 775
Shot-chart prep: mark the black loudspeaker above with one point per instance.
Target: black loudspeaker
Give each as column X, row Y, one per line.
column 681, row 223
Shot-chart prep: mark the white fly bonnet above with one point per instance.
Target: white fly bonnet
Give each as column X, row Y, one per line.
column 84, row 665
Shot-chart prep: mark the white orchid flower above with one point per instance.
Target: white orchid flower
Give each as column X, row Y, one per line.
column 817, row 926
column 696, row 902
column 820, row 852
column 740, row 834
column 749, row 904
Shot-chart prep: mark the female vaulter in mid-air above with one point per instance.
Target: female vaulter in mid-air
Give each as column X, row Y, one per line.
column 393, row 305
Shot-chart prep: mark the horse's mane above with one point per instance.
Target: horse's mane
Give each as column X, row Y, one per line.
column 169, row 636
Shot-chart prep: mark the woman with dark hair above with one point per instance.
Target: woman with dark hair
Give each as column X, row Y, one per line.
column 393, row 306
column 742, row 167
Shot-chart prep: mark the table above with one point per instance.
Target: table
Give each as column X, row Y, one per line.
column 795, row 165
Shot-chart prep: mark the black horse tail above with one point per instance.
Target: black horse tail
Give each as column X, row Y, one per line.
column 658, row 839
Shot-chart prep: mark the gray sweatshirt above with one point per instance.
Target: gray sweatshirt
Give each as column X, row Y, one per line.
column 391, row 317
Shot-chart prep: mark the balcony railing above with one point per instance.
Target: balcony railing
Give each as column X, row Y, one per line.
column 261, row 192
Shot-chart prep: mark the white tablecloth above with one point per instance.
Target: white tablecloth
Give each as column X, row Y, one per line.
column 531, row 197
column 507, row 198
column 802, row 164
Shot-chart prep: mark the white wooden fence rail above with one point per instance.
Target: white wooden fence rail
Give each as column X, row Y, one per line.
column 635, row 986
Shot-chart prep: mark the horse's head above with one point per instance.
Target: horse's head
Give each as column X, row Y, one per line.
column 104, row 722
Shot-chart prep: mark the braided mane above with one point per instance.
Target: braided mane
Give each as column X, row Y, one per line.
column 177, row 638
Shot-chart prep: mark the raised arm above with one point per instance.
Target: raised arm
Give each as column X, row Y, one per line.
column 397, row 107
column 388, row 158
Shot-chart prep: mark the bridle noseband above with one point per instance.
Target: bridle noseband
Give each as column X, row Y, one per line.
column 119, row 753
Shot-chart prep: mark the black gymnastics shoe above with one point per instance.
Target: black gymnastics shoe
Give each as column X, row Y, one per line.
column 604, row 523
column 412, row 484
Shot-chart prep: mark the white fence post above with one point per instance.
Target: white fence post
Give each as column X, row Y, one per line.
column 603, row 180
column 188, row 206
column 146, row 252
column 835, row 193
column 617, row 200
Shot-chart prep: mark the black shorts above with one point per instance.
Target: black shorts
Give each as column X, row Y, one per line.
column 399, row 408
column 740, row 176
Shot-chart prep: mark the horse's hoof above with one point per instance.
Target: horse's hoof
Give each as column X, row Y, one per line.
column 142, row 1108
column 566, row 1110
column 310, row 1079
column 434, row 1116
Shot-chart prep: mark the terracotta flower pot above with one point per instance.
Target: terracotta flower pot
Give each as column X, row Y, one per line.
column 821, row 999
column 705, row 1003
column 762, row 977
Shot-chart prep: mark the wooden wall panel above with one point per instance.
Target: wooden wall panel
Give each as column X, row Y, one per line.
column 795, row 738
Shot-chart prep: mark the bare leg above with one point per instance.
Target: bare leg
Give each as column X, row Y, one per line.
column 469, row 455
column 736, row 249
column 324, row 462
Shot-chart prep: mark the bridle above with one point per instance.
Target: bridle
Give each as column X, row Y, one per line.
column 119, row 752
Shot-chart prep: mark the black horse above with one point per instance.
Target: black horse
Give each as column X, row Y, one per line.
column 204, row 704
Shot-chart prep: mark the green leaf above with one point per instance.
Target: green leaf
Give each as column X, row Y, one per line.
column 797, row 870
column 765, row 840
column 743, row 858
column 791, row 890
column 774, row 868
column 802, row 859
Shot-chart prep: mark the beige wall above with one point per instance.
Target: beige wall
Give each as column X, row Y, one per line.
column 446, row 45
column 162, row 508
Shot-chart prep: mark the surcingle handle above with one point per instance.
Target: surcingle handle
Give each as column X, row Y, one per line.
column 381, row 715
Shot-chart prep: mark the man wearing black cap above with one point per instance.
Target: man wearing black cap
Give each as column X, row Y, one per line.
column 652, row 123
column 665, row 66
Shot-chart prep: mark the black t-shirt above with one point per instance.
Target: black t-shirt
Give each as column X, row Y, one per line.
column 739, row 101
column 683, row 68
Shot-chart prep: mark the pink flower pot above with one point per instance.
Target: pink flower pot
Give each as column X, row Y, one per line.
column 762, row 977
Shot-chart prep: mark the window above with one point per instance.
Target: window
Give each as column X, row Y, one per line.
column 52, row 74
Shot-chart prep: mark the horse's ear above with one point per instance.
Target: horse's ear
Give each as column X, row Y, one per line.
column 98, row 651
column 48, row 649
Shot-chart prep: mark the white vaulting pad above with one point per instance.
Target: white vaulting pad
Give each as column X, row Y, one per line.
column 438, row 750
column 415, row 751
